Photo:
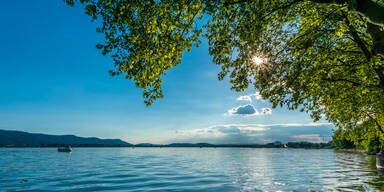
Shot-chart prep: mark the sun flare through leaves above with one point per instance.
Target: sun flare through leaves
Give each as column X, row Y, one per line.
column 258, row 61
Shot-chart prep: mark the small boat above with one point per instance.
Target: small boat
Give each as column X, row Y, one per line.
column 64, row 149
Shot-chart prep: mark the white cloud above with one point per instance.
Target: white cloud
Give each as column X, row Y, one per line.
column 257, row 133
column 258, row 96
column 311, row 124
column 266, row 111
column 249, row 110
column 243, row 110
column 245, row 98
column 314, row 138
column 230, row 133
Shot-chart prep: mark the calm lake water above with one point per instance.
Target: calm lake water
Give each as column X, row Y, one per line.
column 186, row 169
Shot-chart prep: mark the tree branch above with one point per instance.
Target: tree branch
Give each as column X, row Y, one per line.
column 235, row 2
column 342, row 80
column 352, row 82
column 377, row 123
column 358, row 40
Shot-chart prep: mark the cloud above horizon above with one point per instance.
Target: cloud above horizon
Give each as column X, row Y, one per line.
column 230, row 133
column 257, row 133
column 249, row 110
column 245, row 98
column 266, row 111
column 315, row 138
column 249, row 97
column 258, row 96
column 243, row 110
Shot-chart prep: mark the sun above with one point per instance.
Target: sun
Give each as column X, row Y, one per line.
column 257, row 60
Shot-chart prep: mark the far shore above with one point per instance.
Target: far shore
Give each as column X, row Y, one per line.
column 304, row 145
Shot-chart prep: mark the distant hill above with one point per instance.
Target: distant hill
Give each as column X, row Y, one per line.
column 276, row 144
column 191, row 145
column 24, row 139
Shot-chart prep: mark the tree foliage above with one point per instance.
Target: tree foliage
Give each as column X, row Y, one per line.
column 145, row 38
column 325, row 57
column 359, row 137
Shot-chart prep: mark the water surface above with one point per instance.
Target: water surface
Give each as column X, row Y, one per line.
column 186, row 169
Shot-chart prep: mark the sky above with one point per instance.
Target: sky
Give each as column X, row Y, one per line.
column 53, row 80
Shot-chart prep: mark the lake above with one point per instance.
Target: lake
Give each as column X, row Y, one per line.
column 186, row 169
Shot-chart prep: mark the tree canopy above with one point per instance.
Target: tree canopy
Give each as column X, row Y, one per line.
column 325, row 57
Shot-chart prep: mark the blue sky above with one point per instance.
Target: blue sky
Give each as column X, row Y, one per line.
column 53, row 80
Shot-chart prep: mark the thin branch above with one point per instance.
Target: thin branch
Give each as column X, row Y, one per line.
column 342, row 80
column 235, row 2
column 352, row 82
column 358, row 40
column 281, row 8
column 377, row 123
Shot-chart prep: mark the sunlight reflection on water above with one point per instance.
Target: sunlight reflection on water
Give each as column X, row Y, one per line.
column 186, row 169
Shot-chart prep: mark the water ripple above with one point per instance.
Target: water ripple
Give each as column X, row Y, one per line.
column 186, row 169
